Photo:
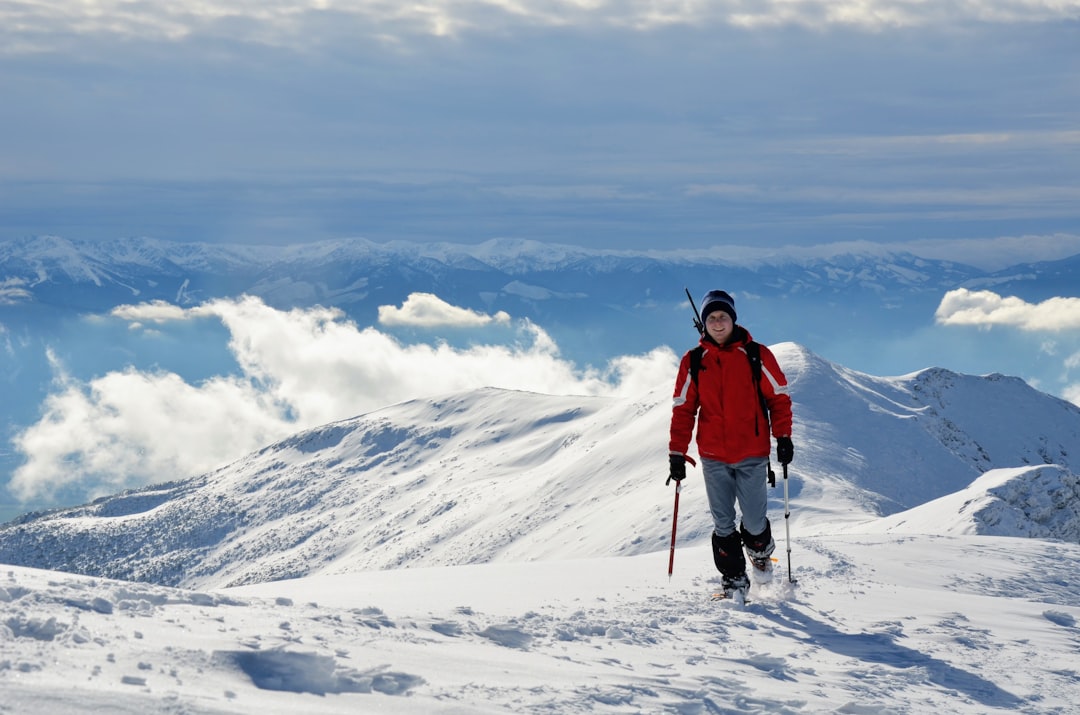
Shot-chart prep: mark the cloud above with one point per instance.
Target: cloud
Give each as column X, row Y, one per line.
column 41, row 24
column 13, row 290
column 309, row 27
column 298, row 369
column 425, row 310
column 987, row 309
column 158, row 311
column 321, row 118
column 129, row 428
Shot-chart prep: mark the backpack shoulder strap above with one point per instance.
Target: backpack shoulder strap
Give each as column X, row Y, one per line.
column 695, row 362
column 753, row 353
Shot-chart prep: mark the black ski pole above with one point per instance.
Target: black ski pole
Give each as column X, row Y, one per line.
column 787, row 528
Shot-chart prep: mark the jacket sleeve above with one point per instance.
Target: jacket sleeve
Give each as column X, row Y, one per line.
column 684, row 409
column 775, row 388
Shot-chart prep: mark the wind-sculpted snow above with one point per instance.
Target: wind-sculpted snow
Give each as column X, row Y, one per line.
column 884, row 624
column 495, row 475
column 1032, row 502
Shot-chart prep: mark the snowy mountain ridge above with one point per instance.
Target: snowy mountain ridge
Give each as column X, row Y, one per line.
column 1031, row 502
column 152, row 269
column 500, row 476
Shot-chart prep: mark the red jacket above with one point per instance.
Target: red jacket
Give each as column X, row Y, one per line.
column 725, row 404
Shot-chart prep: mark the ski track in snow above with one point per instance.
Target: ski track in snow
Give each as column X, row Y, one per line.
column 833, row 642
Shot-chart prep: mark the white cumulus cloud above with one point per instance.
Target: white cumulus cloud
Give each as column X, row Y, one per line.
column 129, row 428
column 1072, row 393
column 298, row 369
column 987, row 309
column 426, row 310
column 158, row 311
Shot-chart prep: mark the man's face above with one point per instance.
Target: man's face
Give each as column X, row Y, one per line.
column 719, row 326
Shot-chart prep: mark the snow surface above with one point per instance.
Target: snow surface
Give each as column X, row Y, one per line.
column 498, row 552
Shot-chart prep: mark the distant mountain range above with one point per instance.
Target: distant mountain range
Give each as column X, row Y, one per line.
column 568, row 290
column 496, row 475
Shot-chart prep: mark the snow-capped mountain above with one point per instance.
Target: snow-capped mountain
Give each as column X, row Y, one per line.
column 553, row 283
column 496, row 475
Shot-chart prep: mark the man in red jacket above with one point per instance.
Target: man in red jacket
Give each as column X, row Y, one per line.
column 733, row 437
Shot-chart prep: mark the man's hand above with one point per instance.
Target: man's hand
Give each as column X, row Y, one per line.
column 785, row 450
column 678, row 468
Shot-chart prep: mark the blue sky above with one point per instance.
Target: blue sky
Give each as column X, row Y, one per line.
column 604, row 124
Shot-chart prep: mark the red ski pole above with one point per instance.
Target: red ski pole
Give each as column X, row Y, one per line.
column 674, row 526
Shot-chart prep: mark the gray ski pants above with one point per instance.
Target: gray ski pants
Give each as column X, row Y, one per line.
column 745, row 482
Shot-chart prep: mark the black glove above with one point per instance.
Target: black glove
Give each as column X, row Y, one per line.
column 785, row 450
column 678, row 468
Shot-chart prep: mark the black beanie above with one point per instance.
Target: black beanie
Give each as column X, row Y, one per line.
column 718, row 300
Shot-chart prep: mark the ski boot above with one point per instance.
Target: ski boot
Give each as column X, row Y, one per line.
column 759, row 551
column 763, row 568
column 735, row 588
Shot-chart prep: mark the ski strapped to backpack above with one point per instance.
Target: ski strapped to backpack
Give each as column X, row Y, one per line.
column 753, row 354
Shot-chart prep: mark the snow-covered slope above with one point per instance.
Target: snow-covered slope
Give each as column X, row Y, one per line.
column 909, row 439
column 902, row 625
column 1033, row 502
column 496, row 475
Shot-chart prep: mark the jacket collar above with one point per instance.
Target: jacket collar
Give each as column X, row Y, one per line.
column 740, row 336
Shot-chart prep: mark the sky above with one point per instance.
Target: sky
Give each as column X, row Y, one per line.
column 637, row 124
